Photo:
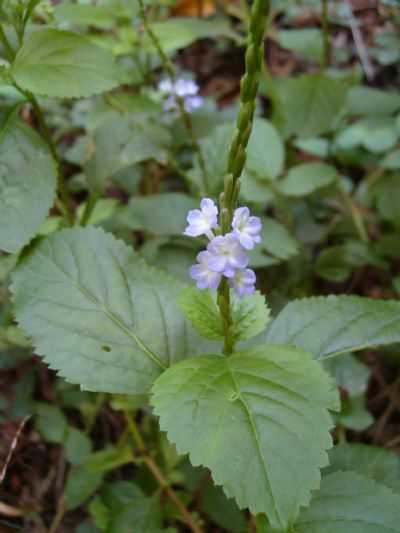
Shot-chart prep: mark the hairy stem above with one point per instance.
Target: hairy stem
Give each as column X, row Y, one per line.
column 237, row 153
column 158, row 475
column 186, row 118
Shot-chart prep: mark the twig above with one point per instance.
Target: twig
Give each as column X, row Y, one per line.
column 171, row 73
column 13, row 512
column 355, row 215
column 158, row 475
column 12, row 448
column 325, row 32
column 359, row 43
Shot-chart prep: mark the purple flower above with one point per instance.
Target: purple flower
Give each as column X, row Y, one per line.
column 243, row 282
column 185, row 88
column 202, row 221
column 246, row 228
column 227, row 255
column 205, row 277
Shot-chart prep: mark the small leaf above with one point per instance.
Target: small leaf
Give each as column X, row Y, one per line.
column 257, row 419
column 62, row 64
column 81, row 484
column 28, row 178
column 265, row 151
column 51, row 422
column 250, row 316
column 348, row 502
column 77, row 446
column 370, row 101
column 333, row 325
column 201, row 310
column 92, row 307
column 307, row 178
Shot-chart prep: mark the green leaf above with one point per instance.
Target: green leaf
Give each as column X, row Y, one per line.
column 349, row 373
column 276, row 241
column 122, row 141
column 354, row 414
column 306, row 42
column 77, row 446
column 81, row 484
column 369, row 101
column 110, row 458
column 99, row 16
column 201, row 310
column 348, row 502
column 257, row 419
column 265, row 151
column 310, row 104
column 159, row 214
column 92, row 307
column 307, row 178
column 179, row 32
column 62, row 64
column 380, row 464
column 223, row 510
column 249, row 315
column 28, row 178
column 51, row 423
column 330, row 326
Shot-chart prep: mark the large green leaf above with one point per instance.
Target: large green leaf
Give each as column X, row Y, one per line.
column 63, row 64
column 257, row 419
column 310, row 104
column 351, row 503
column 370, row 101
column 98, row 313
column 265, row 151
column 329, row 326
column 28, row 177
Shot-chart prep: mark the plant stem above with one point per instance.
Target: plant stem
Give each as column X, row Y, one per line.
column 89, row 208
column 237, row 153
column 158, row 475
column 326, row 35
column 6, row 43
column 62, row 188
column 186, row 118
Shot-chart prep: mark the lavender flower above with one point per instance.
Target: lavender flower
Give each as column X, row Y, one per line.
column 185, row 88
column 247, row 228
column 243, row 282
column 202, row 221
column 205, row 277
column 227, row 255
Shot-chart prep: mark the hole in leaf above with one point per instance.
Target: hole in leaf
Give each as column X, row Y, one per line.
column 106, row 348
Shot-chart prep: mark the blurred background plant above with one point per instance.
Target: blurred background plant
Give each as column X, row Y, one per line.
column 323, row 173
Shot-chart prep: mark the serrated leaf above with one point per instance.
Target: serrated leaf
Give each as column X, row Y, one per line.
column 201, row 310
column 92, row 308
column 329, row 326
column 28, row 178
column 348, row 502
column 307, row 178
column 62, row 64
column 257, row 419
column 250, row 316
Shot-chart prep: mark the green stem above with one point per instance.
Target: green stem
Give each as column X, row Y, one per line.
column 158, row 475
column 171, row 73
column 89, row 208
column 6, row 43
column 237, row 153
column 62, row 188
column 325, row 32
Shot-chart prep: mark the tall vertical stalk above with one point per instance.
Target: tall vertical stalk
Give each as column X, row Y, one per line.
column 237, row 153
column 171, row 73
column 325, row 33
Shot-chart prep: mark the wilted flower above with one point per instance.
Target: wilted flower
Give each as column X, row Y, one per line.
column 228, row 255
column 202, row 221
column 205, row 277
column 247, row 228
column 243, row 282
